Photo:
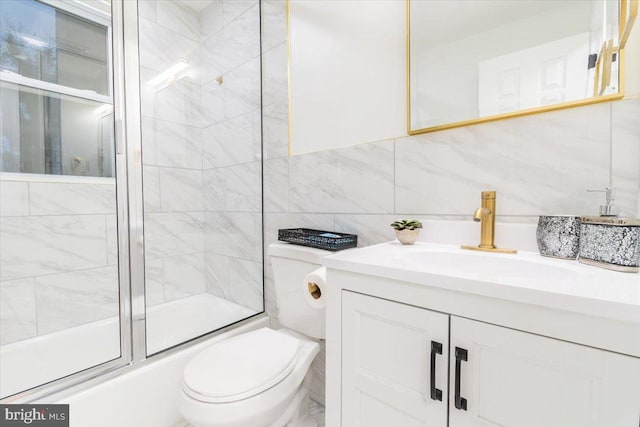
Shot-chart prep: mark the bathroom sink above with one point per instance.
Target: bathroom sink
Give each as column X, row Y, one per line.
column 481, row 265
column 525, row 277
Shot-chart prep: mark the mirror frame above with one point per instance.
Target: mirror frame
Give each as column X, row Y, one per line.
column 627, row 12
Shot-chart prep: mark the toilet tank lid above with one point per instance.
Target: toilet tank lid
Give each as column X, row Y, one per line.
column 300, row 253
column 241, row 366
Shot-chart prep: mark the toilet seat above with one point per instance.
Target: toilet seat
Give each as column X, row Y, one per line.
column 272, row 407
column 241, row 367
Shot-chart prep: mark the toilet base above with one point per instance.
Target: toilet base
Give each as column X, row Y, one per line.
column 297, row 413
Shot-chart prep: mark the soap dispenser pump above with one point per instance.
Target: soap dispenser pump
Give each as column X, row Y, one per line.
column 610, row 209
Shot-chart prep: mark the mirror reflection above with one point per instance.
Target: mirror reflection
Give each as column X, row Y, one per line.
column 474, row 59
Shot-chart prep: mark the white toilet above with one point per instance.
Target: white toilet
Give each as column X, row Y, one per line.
column 261, row 378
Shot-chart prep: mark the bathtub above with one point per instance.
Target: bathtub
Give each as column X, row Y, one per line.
column 34, row 361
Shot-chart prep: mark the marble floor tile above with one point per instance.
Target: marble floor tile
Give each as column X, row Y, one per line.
column 317, row 412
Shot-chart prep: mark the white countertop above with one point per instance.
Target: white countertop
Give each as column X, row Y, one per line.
column 526, row 277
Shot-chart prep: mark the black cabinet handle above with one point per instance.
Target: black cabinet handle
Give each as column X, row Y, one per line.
column 436, row 348
column 460, row 402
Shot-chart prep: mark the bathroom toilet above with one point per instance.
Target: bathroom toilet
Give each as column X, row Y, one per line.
column 261, row 378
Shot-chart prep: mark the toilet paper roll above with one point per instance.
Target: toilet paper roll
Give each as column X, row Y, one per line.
column 313, row 287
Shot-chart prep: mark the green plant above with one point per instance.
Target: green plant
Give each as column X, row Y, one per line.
column 406, row 224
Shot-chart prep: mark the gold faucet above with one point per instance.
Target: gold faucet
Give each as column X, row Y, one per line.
column 486, row 216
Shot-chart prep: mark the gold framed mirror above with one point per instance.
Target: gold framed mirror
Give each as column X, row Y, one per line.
column 473, row 61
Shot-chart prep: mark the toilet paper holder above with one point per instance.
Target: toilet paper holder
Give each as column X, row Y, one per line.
column 314, row 290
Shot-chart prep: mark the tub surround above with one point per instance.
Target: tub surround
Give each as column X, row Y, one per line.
column 201, row 151
column 57, row 235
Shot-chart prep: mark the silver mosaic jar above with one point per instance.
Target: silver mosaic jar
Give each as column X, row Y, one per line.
column 610, row 242
column 558, row 236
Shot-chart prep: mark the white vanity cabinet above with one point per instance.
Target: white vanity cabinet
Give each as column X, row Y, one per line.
column 393, row 356
column 517, row 379
column 406, row 366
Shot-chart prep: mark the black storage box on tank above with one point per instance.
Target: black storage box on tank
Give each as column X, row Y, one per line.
column 319, row 239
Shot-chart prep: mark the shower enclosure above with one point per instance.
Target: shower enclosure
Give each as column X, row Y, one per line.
column 130, row 182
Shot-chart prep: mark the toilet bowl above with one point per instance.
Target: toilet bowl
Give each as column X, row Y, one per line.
column 261, row 378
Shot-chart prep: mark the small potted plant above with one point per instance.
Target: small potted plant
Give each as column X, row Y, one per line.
column 407, row 230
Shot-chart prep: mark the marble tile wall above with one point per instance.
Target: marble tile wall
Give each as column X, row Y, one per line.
column 540, row 164
column 58, row 267
column 201, row 177
column 202, row 151
column 172, row 153
column 231, row 129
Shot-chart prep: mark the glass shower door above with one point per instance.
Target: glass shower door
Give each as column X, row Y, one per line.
column 202, row 170
column 59, row 244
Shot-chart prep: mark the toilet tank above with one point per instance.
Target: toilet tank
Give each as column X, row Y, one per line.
column 290, row 264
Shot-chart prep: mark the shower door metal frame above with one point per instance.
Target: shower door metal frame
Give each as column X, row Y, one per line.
column 131, row 79
column 50, row 391
column 130, row 221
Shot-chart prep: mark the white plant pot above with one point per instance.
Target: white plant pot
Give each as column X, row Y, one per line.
column 407, row 237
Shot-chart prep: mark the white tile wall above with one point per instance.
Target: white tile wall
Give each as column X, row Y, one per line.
column 202, row 188
column 52, row 198
column 231, row 147
column 201, row 150
column 75, row 298
column 17, row 310
column 161, row 46
column 178, row 17
column 184, row 275
column 243, row 187
column 180, row 190
column 14, row 198
column 38, row 245
column 245, row 283
column 533, row 162
column 173, row 233
column 54, row 233
column 538, row 164
column 231, row 142
column 625, row 146
column 235, row 44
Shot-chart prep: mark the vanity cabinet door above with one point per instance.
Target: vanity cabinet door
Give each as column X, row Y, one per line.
column 509, row 378
column 387, row 375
